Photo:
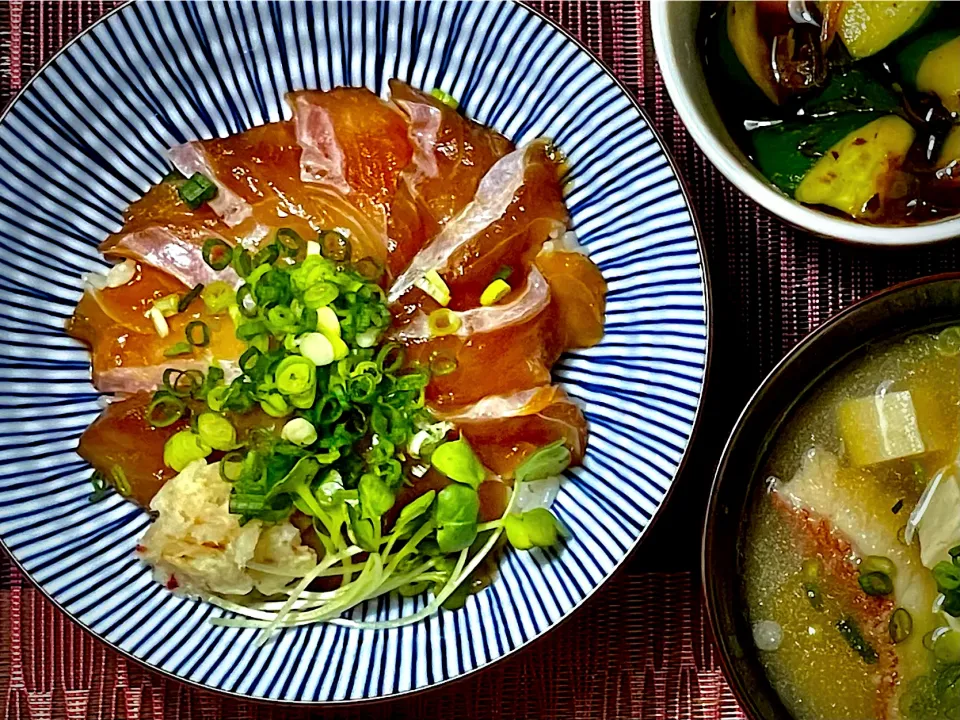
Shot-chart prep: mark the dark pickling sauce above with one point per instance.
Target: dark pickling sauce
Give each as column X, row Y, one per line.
column 920, row 189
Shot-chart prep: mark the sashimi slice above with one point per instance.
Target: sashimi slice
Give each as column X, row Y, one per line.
column 354, row 145
column 578, row 290
column 857, row 509
column 500, row 362
column 517, row 207
column 190, row 159
column 450, row 152
column 505, row 429
column 122, row 438
column 532, row 299
column 127, row 353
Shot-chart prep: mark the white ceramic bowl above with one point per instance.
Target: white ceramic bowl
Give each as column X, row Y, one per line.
column 674, row 25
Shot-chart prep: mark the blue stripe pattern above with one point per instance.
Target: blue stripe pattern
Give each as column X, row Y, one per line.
column 88, row 137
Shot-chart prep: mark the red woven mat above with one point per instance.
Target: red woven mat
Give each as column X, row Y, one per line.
column 637, row 650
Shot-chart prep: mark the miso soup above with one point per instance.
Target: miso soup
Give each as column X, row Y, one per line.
column 852, row 555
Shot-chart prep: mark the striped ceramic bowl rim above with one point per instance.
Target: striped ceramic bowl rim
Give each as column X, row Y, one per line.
column 87, row 136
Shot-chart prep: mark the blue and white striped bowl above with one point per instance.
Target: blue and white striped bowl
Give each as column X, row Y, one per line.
column 87, row 137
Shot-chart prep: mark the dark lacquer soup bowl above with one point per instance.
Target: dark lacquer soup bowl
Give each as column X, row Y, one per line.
column 755, row 651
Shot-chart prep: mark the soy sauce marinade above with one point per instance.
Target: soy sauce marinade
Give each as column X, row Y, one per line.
column 850, row 107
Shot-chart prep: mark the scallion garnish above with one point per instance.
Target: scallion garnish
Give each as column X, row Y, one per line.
column 179, row 348
column 198, row 333
column 197, row 190
column 242, row 262
column 446, row 98
column 164, row 411
column 217, row 254
column 189, row 298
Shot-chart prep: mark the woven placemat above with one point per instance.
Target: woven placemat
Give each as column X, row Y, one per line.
column 638, row 649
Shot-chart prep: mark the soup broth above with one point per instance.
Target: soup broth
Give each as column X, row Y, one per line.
column 848, row 559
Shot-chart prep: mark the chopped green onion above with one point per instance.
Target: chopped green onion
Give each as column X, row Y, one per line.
column 299, row 431
column 290, row 242
column 444, row 322
column 275, row 405
column 216, row 431
column 850, row 631
column 320, row 295
column 947, row 576
column 495, row 292
column 317, row 348
column 189, row 298
column 180, row 348
column 442, row 364
column 164, row 411
column 327, row 322
column 167, row 305
column 247, row 302
column 217, row 253
column 217, row 396
column 446, row 98
column 159, row 322
column 217, row 297
column 194, row 327
column 295, row 375
column 335, row 246
column 101, row 488
column 812, row 591
column 900, row 626
column 878, row 563
column 242, row 263
column 267, row 255
column 197, row 190
column 434, row 286
column 249, row 360
column 251, row 330
column 120, row 481
column 876, row 583
column 184, row 448
column 182, row 383
column 458, row 462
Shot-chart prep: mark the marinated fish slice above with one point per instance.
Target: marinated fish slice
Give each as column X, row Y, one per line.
column 127, row 350
column 578, row 291
column 122, row 438
column 517, row 207
column 531, row 300
column 500, row 362
column 450, row 152
column 354, row 145
column 450, row 156
column 504, row 429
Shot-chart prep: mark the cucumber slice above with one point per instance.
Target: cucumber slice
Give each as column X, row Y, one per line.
column 785, row 153
column 851, row 91
column 950, row 152
column 869, row 26
column 940, row 73
column 853, row 176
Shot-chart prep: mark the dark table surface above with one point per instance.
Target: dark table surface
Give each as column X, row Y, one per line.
column 637, row 650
